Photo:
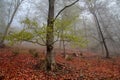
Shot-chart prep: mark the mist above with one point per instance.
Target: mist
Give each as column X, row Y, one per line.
column 67, row 29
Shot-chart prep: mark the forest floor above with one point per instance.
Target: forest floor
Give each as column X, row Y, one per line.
column 22, row 65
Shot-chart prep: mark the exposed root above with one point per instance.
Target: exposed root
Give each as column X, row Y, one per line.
column 61, row 69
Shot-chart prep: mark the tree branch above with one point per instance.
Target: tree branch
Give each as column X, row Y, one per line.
column 57, row 38
column 64, row 9
column 34, row 42
column 40, row 36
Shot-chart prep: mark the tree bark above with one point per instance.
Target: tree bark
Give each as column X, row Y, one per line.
column 64, row 50
column 102, row 36
column 50, row 56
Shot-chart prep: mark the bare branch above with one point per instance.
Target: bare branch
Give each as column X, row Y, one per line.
column 64, row 9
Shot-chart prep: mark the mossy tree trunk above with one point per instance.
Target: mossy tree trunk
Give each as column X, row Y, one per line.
column 50, row 61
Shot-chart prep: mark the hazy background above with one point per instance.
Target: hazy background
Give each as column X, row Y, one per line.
column 107, row 11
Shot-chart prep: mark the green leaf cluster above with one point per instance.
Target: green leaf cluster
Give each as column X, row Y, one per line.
column 19, row 36
column 64, row 27
column 29, row 23
column 31, row 33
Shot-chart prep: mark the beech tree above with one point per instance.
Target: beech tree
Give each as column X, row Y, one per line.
column 50, row 61
column 92, row 8
column 26, row 35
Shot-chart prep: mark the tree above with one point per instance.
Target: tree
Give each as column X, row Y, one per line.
column 50, row 61
column 2, row 18
column 25, row 35
column 68, row 23
column 92, row 8
column 30, row 33
column 66, row 33
column 12, row 10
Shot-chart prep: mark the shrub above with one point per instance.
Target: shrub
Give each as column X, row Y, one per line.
column 35, row 55
column 16, row 52
column 33, row 52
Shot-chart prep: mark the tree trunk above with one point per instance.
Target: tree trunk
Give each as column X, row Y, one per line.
column 50, row 61
column 5, row 33
column 50, row 56
column 64, row 50
column 2, row 44
column 10, row 22
column 103, row 39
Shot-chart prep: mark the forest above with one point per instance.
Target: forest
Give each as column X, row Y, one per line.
column 59, row 39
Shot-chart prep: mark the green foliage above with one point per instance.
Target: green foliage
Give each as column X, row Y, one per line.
column 19, row 36
column 37, row 31
column 78, row 41
column 29, row 23
column 64, row 28
column 41, row 32
column 31, row 33
column 64, row 24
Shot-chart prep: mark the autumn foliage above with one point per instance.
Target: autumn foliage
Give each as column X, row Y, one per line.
column 90, row 67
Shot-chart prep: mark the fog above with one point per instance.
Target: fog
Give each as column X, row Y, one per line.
column 59, row 39
column 107, row 12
